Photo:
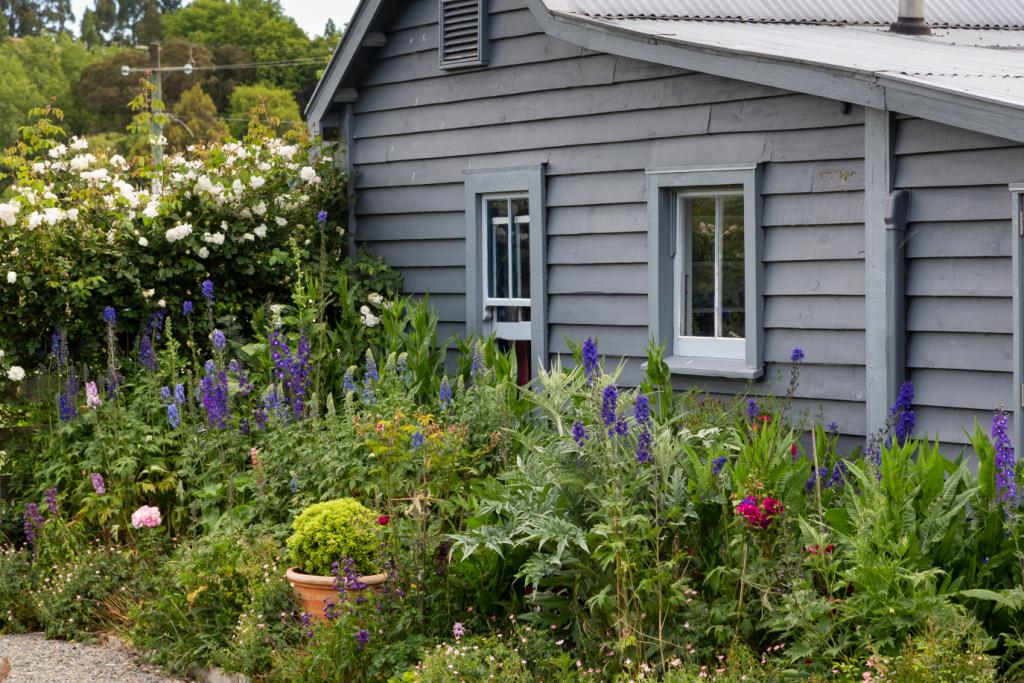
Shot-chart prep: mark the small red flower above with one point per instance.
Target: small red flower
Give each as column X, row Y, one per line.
column 792, row 450
column 383, row 520
column 829, row 548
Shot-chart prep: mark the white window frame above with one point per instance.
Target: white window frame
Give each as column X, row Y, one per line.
column 517, row 182
column 704, row 356
column 690, row 345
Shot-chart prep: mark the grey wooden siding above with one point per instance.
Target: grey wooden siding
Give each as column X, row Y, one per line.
column 958, row 272
column 598, row 122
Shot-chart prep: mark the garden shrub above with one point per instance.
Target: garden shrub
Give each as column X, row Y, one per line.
column 17, row 607
column 327, row 533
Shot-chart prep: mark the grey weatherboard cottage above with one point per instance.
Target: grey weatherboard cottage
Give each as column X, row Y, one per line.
column 732, row 177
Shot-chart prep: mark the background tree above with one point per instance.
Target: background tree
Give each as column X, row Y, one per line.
column 195, row 120
column 104, row 93
column 22, row 16
column 56, row 15
column 261, row 27
column 265, row 101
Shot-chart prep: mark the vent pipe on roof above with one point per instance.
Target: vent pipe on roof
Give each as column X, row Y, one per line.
column 911, row 19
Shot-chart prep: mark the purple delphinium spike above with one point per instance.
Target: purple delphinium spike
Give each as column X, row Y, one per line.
column 590, row 361
column 833, row 428
column 165, row 395
column 1005, row 463
column 321, row 217
column 902, row 413
column 66, row 409
column 214, row 393
column 752, row 409
column 147, row 357
column 179, row 393
column 98, row 485
column 643, row 447
column 220, row 342
column 579, row 433
column 207, row 289
column 717, row 464
column 33, row 522
column 642, row 410
column 609, row 406
column 50, row 495
column 444, row 394
column 348, row 383
column 371, row 367
column 110, row 315
column 796, row 355
column 173, row 416
column 417, row 440
column 478, row 368
column 187, row 308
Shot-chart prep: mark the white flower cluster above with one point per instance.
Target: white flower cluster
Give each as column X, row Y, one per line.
column 368, row 316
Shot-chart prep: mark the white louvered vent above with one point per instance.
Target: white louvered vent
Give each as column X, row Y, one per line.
column 462, row 28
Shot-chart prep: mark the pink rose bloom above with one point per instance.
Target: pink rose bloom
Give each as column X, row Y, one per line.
column 146, row 516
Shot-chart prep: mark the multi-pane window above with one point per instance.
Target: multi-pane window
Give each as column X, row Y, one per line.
column 710, row 274
column 506, row 243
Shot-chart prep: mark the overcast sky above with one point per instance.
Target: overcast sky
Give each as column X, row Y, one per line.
column 311, row 15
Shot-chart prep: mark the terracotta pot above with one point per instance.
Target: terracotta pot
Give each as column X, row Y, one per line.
column 314, row 592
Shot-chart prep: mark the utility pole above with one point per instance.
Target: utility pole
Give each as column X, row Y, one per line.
column 156, row 126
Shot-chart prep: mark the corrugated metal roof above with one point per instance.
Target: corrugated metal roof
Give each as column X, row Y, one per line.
column 942, row 13
column 950, row 61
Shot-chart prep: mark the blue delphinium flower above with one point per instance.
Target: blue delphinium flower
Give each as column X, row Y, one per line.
column 1005, row 463
column 445, row 393
column 621, row 427
column 110, row 315
column 321, row 217
column 839, row 473
column 371, row 367
column 50, row 496
column 478, row 368
column 179, row 393
column 173, row 416
column 207, row 289
column 147, row 357
column 642, row 410
column 590, row 363
column 33, row 522
column 98, row 485
column 214, row 393
column 66, row 408
column 752, row 410
column 186, row 308
column 796, row 355
column 579, row 433
column 417, row 440
column 717, row 464
column 293, row 484
column 833, row 428
column 362, row 638
column 609, row 402
column 821, row 474
column 643, row 447
column 348, row 383
column 165, row 394
column 220, row 342
column 902, row 413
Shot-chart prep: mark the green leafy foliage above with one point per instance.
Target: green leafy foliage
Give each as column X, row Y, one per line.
column 326, row 533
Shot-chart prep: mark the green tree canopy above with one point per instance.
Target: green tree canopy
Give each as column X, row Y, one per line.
column 259, row 26
column 195, row 120
column 265, row 101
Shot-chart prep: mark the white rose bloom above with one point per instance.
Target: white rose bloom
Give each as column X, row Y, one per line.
column 81, row 162
column 371, row 320
column 213, row 238
column 237, row 186
column 286, row 151
column 152, row 209
column 16, row 373
column 375, row 298
column 203, row 252
column 57, row 151
column 94, row 177
column 1, row 353
column 245, row 213
column 260, row 209
column 9, row 213
column 177, row 160
column 12, row 277
column 178, row 232
column 280, row 221
column 39, row 167
column 162, row 303
column 264, row 166
column 78, row 143
column 52, row 215
column 261, row 230
column 71, row 214
column 248, row 237
column 223, row 225
column 147, row 293
column 118, row 161
column 256, row 182
column 34, row 219
column 309, row 175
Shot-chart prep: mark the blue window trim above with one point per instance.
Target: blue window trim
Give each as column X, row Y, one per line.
column 662, row 185
column 520, row 179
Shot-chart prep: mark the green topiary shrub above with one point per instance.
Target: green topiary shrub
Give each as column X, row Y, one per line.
column 334, row 531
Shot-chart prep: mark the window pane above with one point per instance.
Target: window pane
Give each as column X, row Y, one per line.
column 702, row 267
column 733, row 272
column 511, row 314
column 497, row 248
column 521, row 248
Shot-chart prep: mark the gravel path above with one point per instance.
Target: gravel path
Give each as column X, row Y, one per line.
column 36, row 660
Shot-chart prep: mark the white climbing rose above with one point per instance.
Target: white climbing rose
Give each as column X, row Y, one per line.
column 16, row 373
column 12, row 277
